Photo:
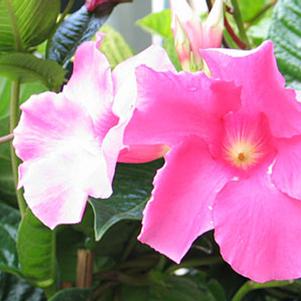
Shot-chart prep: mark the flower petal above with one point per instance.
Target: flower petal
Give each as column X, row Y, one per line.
column 258, row 229
column 263, row 85
column 64, row 162
column 286, row 171
column 172, row 106
column 180, row 208
column 91, row 86
column 125, row 100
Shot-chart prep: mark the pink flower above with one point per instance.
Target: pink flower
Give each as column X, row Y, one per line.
column 191, row 34
column 70, row 141
column 234, row 164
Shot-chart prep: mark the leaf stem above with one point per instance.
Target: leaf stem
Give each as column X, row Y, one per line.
column 250, row 286
column 14, row 117
column 6, row 138
column 239, row 23
column 195, row 263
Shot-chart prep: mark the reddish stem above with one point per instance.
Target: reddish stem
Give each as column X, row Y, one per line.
column 233, row 35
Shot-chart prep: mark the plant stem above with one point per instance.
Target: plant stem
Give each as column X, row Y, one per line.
column 239, row 23
column 14, row 118
column 6, row 138
column 195, row 263
column 250, row 286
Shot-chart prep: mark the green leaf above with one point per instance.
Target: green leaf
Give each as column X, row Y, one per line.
column 169, row 46
column 132, row 187
column 13, row 288
column 28, row 68
column 72, row 294
column 251, row 8
column 114, row 46
column 36, row 249
column 285, row 31
column 24, row 24
column 157, row 23
column 79, row 27
column 9, row 222
column 259, row 30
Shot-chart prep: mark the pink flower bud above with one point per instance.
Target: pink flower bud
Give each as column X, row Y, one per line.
column 92, row 4
column 190, row 31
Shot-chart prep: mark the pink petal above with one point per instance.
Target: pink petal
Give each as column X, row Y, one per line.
column 142, row 153
column 126, row 98
column 64, row 162
column 258, row 229
column 262, row 84
column 286, row 171
column 91, row 85
column 171, row 106
column 180, row 208
column 124, row 76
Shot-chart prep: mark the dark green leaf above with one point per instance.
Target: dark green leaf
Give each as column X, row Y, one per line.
column 79, row 27
column 24, row 24
column 114, row 46
column 285, row 32
column 72, row 294
column 36, row 250
column 158, row 23
column 13, row 288
column 9, row 222
column 132, row 188
column 68, row 242
column 27, row 67
column 177, row 288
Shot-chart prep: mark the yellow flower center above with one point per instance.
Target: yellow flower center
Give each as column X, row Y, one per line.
column 243, row 154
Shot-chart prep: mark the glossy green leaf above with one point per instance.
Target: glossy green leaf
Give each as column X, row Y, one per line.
column 77, row 28
column 285, row 31
column 114, row 46
column 36, row 250
column 72, row 294
column 9, row 222
column 13, row 288
column 132, row 187
column 28, row 68
column 24, row 24
column 157, row 23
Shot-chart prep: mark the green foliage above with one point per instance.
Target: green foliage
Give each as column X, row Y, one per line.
column 157, row 23
column 77, row 28
column 132, row 187
column 72, row 294
column 27, row 67
column 13, row 288
column 160, row 24
column 7, row 186
column 251, row 8
column 9, row 221
column 285, row 32
column 36, row 250
column 24, row 24
column 114, row 46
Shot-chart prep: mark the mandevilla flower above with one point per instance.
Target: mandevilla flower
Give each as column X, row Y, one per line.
column 234, row 164
column 70, row 141
column 191, row 34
